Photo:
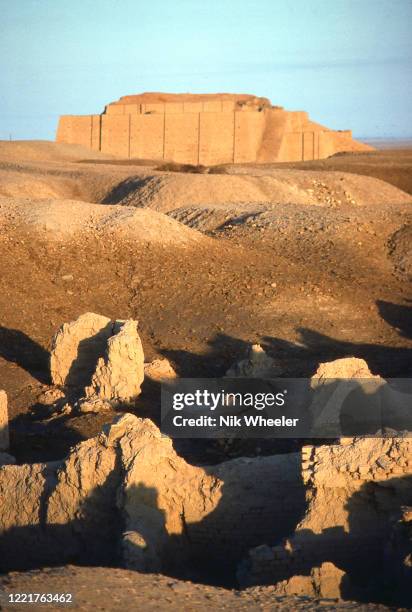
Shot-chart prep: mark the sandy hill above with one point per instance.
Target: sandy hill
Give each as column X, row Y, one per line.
column 45, row 150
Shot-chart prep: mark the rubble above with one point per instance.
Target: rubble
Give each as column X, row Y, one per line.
column 93, row 404
column 76, row 348
column 350, row 503
column 159, row 370
column 51, row 396
column 120, row 372
column 312, row 522
column 324, row 581
column 257, row 364
column 346, row 367
column 101, row 358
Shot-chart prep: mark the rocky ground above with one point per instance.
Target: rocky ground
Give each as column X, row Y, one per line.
column 114, row 589
column 391, row 163
column 312, row 261
column 311, row 264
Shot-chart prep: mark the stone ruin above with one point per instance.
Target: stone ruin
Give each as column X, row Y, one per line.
column 331, row 520
column 104, row 358
column 204, row 129
column 126, row 496
column 256, row 364
column 354, row 489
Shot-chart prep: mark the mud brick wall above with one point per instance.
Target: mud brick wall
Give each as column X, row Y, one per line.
column 79, row 129
column 211, row 131
column 116, row 135
column 185, row 150
column 96, row 132
column 262, row 499
column 354, row 490
column 216, row 137
column 147, row 136
column 249, row 129
column 129, row 479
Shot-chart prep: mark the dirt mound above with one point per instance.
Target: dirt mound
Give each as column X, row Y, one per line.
column 393, row 166
column 19, row 185
column 208, row 218
column 331, row 185
column 58, row 180
column 168, row 192
column 314, row 233
column 185, row 168
column 62, row 219
column 45, row 150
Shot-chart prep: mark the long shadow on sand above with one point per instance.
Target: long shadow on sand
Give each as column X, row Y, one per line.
column 209, row 550
column 398, row 316
column 17, row 347
column 206, row 551
column 301, row 359
column 387, row 361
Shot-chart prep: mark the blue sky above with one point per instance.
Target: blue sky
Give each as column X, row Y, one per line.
column 347, row 62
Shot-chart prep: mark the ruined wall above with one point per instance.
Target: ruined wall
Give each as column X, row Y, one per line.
column 204, row 130
column 77, row 129
column 127, row 492
column 354, row 491
column 125, row 496
column 60, row 511
column 209, row 515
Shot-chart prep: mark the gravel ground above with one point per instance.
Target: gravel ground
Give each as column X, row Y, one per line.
column 117, row 590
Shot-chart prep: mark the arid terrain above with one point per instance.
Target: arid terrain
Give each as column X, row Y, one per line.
column 310, row 260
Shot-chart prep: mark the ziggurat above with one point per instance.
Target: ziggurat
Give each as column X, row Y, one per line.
column 204, row 129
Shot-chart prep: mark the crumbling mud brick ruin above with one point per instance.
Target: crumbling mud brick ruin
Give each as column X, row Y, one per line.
column 323, row 521
column 204, row 129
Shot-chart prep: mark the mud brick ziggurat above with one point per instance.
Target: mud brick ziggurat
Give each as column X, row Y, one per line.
column 204, row 129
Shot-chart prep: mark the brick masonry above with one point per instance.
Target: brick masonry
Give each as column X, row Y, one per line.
column 204, row 129
column 354, row 490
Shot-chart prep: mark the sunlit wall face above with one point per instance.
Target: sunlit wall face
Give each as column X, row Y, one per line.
column 347, row 62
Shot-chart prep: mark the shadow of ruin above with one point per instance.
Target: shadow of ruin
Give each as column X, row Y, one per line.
column 125, row 498
column 326, row 520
